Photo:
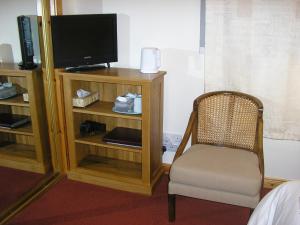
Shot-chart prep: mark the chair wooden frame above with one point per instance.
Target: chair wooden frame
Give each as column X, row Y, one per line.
column 191, row 131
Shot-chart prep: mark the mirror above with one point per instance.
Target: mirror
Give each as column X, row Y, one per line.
column 25, row 155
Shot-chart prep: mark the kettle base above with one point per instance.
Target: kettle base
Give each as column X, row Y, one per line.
column 149, row 71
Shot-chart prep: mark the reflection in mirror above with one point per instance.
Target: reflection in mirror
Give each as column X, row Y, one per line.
column 25, row 159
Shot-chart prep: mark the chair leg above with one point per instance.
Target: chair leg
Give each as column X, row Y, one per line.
column 251, row 211
column 172, row 208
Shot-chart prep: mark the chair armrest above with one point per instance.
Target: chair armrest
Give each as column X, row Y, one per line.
column 186, row 135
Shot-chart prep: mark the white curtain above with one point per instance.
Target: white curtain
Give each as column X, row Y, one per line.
column 253, row 46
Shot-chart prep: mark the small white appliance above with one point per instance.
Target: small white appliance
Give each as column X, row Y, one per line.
column 137, row 108
column 150, row 60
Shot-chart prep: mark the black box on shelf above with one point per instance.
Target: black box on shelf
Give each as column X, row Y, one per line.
column 89, row 127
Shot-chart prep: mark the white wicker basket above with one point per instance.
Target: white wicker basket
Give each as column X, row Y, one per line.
column 83, row 102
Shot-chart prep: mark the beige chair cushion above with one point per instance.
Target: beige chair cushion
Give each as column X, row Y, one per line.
column 220, row 169
column 214, row 195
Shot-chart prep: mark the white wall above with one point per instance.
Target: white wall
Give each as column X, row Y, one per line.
column 81, row 7
column 173, row 26
column 9, row 34
column 282, row 159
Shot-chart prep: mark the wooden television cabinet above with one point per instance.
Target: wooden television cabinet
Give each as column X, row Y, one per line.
column 25, row 147
column 134, row 169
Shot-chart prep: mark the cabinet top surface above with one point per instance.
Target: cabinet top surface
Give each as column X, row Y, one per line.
column 114, row 74
column 13, row 69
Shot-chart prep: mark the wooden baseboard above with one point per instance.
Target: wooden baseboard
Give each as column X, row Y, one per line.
column 272, row 182
column 269, row 182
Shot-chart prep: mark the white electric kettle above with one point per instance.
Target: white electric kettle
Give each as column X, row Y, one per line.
column 150, row 60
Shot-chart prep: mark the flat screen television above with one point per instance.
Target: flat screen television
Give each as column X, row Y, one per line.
column 84, row 41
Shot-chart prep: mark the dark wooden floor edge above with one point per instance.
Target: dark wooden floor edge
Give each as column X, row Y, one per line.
column 30, row 196
column 269, row 182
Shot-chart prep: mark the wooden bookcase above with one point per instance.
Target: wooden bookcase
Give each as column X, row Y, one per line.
column 134, row 169
column 26, row 147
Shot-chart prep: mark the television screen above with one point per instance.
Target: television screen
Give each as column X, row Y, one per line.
column 80, row 40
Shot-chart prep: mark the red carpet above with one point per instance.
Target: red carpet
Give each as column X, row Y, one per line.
column 14, row 183
column 75, row 203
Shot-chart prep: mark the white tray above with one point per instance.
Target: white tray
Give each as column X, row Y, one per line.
column 129, row 113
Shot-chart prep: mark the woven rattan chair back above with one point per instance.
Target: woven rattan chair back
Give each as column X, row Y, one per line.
column 227, row 119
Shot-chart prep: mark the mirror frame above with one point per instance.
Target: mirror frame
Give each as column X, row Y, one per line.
column 50, row 87
column 57, row 143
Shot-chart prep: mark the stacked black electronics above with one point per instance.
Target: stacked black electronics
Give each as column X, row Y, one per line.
column 89, row 127
column 26, row 42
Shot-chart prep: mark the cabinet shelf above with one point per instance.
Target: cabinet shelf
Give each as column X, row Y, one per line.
column 21, row 156
column 24, row 130
column 105, row 109
column 25, row 147
column 18, row 152
column 98, row 166
column 96, row 140
column 129, row 168
column 14, row 101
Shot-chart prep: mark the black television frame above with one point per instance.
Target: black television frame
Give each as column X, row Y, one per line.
column 82, row 62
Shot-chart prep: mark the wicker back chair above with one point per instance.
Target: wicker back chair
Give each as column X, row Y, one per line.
column 225, row 162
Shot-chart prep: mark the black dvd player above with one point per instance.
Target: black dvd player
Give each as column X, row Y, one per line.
column 8, row 120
